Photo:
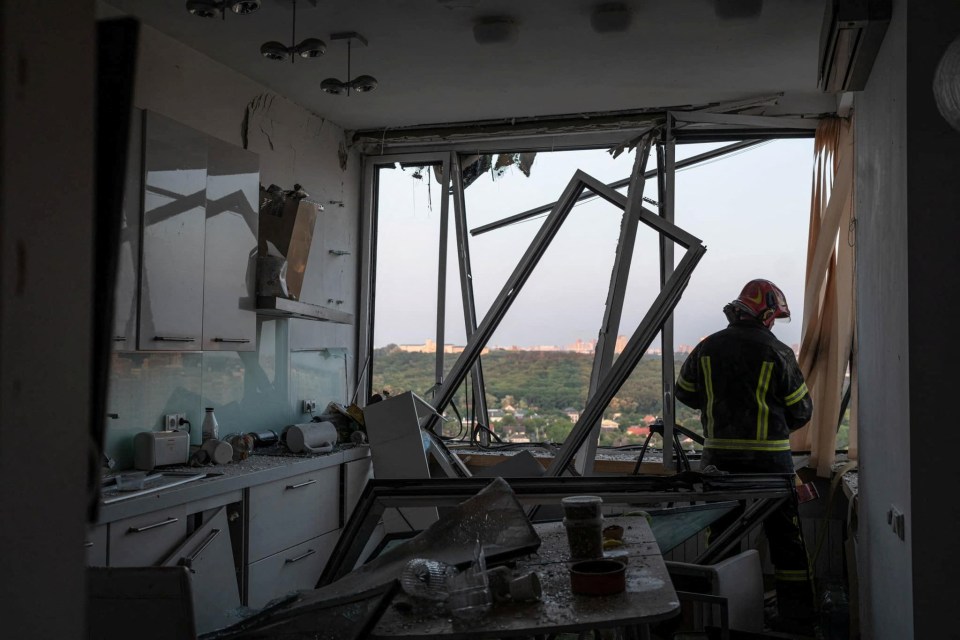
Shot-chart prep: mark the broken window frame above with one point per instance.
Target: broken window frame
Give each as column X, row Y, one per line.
column 768, row 490
column 676, row 127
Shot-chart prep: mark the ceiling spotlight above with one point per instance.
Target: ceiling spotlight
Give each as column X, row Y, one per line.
column 360, row 84
column 494, row 30
column 309, row 48
column 214, row 8
column 610, row 17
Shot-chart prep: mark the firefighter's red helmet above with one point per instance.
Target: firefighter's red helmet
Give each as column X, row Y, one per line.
column 764, row 301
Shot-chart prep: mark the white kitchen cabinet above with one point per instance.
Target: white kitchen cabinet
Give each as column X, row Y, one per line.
column 208, row 554
column 146, row 540
column 229, row 272
column 293, row 569
column 174, row 201
column 284, row 513
column 126, row 298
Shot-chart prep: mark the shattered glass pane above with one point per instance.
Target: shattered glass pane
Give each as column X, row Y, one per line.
column 494, row 516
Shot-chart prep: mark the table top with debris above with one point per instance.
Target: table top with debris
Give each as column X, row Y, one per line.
column 649, row 594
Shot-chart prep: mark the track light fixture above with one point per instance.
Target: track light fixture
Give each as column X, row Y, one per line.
column 360, row 84
column 214, row 8
column 309, row 48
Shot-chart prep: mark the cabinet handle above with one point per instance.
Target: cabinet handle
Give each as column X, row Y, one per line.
column 152, row 526
column 173, row 339
column 339, row 252
column 119, row 338
column 233, row 340
column 309, row 552
column 189, row 560
column 302, row 484
column 87, row 545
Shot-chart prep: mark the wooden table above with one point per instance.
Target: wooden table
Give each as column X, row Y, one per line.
column 649, row 596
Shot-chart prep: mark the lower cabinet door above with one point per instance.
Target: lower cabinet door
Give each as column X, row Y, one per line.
column 294, row 569
column 208, row 554
column 147, row 540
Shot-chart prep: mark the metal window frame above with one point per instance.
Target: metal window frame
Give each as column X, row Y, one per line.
column 616, row 292
column 379, row 495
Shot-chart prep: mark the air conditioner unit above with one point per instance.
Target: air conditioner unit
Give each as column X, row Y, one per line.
column 849, row 41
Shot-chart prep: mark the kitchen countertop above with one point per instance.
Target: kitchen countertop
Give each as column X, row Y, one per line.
column 259, row 468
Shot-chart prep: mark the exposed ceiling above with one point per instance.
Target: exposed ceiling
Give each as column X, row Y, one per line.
column 430, row 69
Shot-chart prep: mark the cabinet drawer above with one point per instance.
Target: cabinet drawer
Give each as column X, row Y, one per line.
column 287, row 512
column 144, row 541
column 96, row 546
column 296, row 568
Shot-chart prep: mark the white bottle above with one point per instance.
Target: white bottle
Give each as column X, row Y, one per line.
column 210, row 427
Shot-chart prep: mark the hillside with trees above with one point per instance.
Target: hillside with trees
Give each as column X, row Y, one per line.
column 534, row 391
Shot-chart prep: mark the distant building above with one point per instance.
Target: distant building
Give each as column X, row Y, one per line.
column 637, row 430
column 609, row 425
column 648, row 419
column 430, row 346
column 582, row 347
column 572, row 413
column 621, row 344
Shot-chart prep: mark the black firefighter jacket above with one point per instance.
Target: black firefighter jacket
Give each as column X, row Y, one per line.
column 749, row 390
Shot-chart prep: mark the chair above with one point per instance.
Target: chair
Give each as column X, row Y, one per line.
column 735, row 586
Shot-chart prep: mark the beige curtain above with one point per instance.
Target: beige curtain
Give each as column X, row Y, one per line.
column 829, row 309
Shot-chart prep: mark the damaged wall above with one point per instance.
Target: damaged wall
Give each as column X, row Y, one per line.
column 296, row 359
column 907, row 199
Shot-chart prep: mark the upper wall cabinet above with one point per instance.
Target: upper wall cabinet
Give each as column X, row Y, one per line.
column 193, row 250
column 128, row 259
column 229, row 303
column 174, row 203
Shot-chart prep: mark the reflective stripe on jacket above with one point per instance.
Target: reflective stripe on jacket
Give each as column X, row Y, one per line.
column 748, row 388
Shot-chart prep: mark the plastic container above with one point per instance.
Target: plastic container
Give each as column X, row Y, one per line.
column 582, row 507
column 132, row 481
column 210, row 428
column 427, row 579
column 585, row 538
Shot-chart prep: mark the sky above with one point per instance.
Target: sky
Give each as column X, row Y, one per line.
column 751, row 210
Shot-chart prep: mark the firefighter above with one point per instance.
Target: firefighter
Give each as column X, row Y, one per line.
column 751, row 395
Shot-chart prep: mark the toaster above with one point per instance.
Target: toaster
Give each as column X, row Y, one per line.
column 158, row 448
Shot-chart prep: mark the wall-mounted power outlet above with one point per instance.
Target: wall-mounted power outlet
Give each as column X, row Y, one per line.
column 309, row 406
column 897, row 522
column 172, row 421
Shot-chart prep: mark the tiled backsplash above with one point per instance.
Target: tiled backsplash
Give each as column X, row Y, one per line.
column 248, row 391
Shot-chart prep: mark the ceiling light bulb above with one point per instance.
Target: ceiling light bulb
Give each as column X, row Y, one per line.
column 363, row 84
column 333, row 86
column 311, row 48
column 245, row 7
column 274, row 50
column 204, row 8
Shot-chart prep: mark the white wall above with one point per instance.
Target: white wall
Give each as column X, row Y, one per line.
column 46, row 262
column 885, row 563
